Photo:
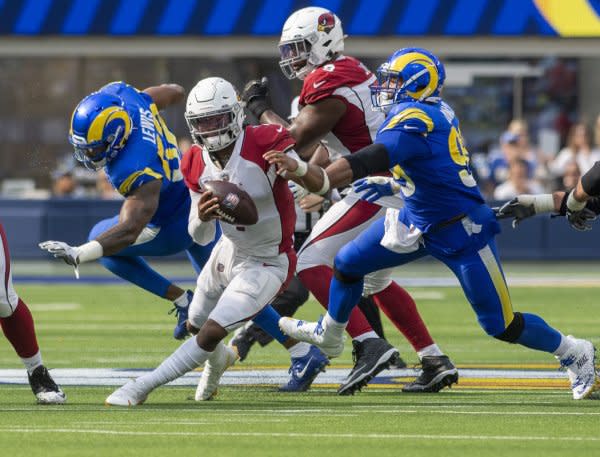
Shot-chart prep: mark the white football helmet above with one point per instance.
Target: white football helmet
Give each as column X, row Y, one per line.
column 214, row 113
column 310, row 37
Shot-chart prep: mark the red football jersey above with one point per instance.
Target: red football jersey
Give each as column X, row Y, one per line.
column 348, row 80
column 274, row 231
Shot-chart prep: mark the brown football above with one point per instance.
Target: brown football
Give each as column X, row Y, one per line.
column 235, row 205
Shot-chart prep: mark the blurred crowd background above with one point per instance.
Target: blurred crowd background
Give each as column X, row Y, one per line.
column 524, row 89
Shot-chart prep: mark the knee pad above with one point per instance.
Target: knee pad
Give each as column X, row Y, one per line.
column 512, row 333
column 343, row 277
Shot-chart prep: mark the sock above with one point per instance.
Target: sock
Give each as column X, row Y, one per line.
column 299, row 350
column 401, row 309
column 566, row 344
column 317, row 280
column 182, row 300
column 431, row 350
column 333, row 326
column 185, row 358
column 366, row 336
column 537, row 334
column 138, row 272
column 20, row 331
column 268, row 320
column 343, row 297
column 31, row 363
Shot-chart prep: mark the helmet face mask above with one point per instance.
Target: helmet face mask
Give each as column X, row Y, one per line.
column 294, row 58
column 214, row 114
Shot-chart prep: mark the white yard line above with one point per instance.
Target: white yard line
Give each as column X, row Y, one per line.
column 198, row 433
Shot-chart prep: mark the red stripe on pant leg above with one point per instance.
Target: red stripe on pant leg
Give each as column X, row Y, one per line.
column 318, row 280
column 6, row 253
column 401, row 309
column 359, row 213
column 20, row 331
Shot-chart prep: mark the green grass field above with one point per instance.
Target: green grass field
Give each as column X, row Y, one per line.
column 90, row 326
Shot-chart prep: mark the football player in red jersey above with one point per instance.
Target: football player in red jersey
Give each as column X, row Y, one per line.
column 250, row 264
column 336, row 107
column 17, row 325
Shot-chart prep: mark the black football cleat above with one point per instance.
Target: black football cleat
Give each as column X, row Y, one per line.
column 437, row 372
column 370, row 356
column 44, row 388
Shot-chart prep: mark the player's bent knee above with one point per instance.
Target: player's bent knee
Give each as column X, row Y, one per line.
column 5, row 309
column 512, row 333
column 344, row 277
column 210, row 335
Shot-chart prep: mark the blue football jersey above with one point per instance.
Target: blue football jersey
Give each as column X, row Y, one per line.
column 429, row 159
column 150, row 153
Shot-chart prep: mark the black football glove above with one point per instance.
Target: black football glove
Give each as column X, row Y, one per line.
column 516, row 209
column 255, row 95
column 581, row 220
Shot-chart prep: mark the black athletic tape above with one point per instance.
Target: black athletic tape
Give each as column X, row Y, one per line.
column 514, row 329
column 344, row 278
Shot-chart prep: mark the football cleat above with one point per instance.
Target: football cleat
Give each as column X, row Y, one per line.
column 222, row 358
column 133, row 393
column 370, row 356
column 181, row 312
column 243, row 341
column 314, row 333
column 304, row 370
column 580, row 365
column 44, row 388
column 437, row 372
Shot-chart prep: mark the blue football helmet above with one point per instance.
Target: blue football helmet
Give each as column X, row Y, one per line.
column 100, row 126
column 409, row 74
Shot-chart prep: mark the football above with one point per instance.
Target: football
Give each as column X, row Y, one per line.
column 235, row 205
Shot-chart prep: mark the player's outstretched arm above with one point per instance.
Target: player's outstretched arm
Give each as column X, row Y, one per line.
column 136, row 212
column 166, row 95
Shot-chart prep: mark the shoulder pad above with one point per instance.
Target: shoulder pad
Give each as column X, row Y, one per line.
column 410, row 119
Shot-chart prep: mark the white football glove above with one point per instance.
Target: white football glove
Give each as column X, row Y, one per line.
column 61, row 250
column 298, row 191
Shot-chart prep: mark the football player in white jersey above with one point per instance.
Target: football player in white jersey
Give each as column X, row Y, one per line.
column 250, row 264
column 337, row 106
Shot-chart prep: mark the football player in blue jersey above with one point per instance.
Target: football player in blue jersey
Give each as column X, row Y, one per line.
column 119, row 128
column 444, row 215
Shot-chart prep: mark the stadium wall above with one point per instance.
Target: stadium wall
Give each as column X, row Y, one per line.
column 28, row 222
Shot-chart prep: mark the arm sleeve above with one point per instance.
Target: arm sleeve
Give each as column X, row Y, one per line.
column 201, row 232
column 369, row 160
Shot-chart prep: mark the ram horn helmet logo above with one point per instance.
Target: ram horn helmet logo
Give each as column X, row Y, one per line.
column 326, row 22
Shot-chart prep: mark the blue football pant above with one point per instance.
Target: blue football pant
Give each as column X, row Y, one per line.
column 478, row 271
column 171, row 239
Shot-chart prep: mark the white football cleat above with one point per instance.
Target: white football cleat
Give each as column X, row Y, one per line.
column 133, row 393
column 580, row 364
column 315, row 333
column 222, row 358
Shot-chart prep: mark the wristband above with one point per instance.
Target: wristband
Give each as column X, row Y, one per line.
column 574, row 204
column 89, row 251
column 302, row 168
column 325, row 188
